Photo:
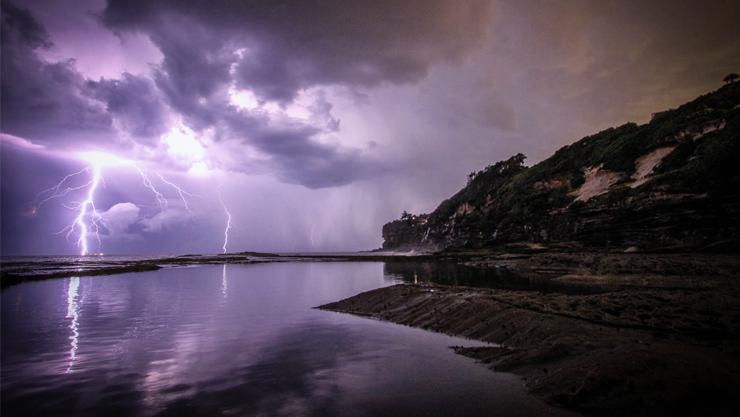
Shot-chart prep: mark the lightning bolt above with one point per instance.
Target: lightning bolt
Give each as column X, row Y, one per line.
column 228, row 221
column 86, row 210
column 88, row 220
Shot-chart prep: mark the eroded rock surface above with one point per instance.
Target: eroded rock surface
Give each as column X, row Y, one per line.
column 672, row 184
column 644, row 336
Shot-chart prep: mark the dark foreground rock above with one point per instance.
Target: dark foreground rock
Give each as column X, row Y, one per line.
column 670, row 348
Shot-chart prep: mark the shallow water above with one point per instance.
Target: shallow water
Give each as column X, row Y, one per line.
column 233, row 340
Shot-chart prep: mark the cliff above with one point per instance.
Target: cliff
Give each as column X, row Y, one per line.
column 672, row 184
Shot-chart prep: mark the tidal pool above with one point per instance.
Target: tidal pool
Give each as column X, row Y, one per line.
column 234, row 340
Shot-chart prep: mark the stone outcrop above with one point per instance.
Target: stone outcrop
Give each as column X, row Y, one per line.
column 671, row 184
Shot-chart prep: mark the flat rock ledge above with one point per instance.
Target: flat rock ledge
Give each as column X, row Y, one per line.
column 631, row 352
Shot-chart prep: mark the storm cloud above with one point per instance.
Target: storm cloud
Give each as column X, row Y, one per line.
column 135, row 102
column 320, row 120
column 274, row 51
column 287, row 45
column 40, row 100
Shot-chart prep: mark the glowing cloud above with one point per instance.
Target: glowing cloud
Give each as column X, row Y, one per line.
column 183, row 146
column 243, row 99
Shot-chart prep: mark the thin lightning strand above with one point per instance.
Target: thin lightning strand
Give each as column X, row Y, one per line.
column 148, row 184
column 56, row 190
column 228, row 221
column 182, row 193
column 63, row 180
column 161, row 199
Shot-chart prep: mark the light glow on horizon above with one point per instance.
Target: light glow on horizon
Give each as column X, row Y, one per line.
column 101, row 159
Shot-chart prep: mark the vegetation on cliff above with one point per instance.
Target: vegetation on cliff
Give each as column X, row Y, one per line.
column 670, row 184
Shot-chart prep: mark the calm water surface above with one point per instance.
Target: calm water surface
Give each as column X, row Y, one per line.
column 233, row 340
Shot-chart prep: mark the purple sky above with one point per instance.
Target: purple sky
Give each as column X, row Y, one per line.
column 318, row 121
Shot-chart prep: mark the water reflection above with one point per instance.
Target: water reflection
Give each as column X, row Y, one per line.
column 166, row 343
column 224, row 283
column 73, row 313
column 453, row 273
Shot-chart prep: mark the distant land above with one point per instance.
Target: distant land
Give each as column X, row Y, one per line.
column 672, row 184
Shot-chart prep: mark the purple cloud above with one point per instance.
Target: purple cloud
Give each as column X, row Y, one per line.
column 289, row 46
column 271, row 50
column 45, row 102
column 135, row 102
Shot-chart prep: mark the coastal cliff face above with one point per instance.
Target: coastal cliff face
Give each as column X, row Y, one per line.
column 670, row 184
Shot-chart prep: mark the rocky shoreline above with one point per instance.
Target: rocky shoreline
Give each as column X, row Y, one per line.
column 627, row 335
column 600, row 333
column 26, row 269
column 667, row 185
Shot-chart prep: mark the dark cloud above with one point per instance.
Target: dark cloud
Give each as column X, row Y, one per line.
column 321, row 110
column 42, row 101
column 135, row 102
column 291, row 45
column 194, row 74
column 52, row 103
column 278, row 49
column 298, row 157
column 19, row 26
